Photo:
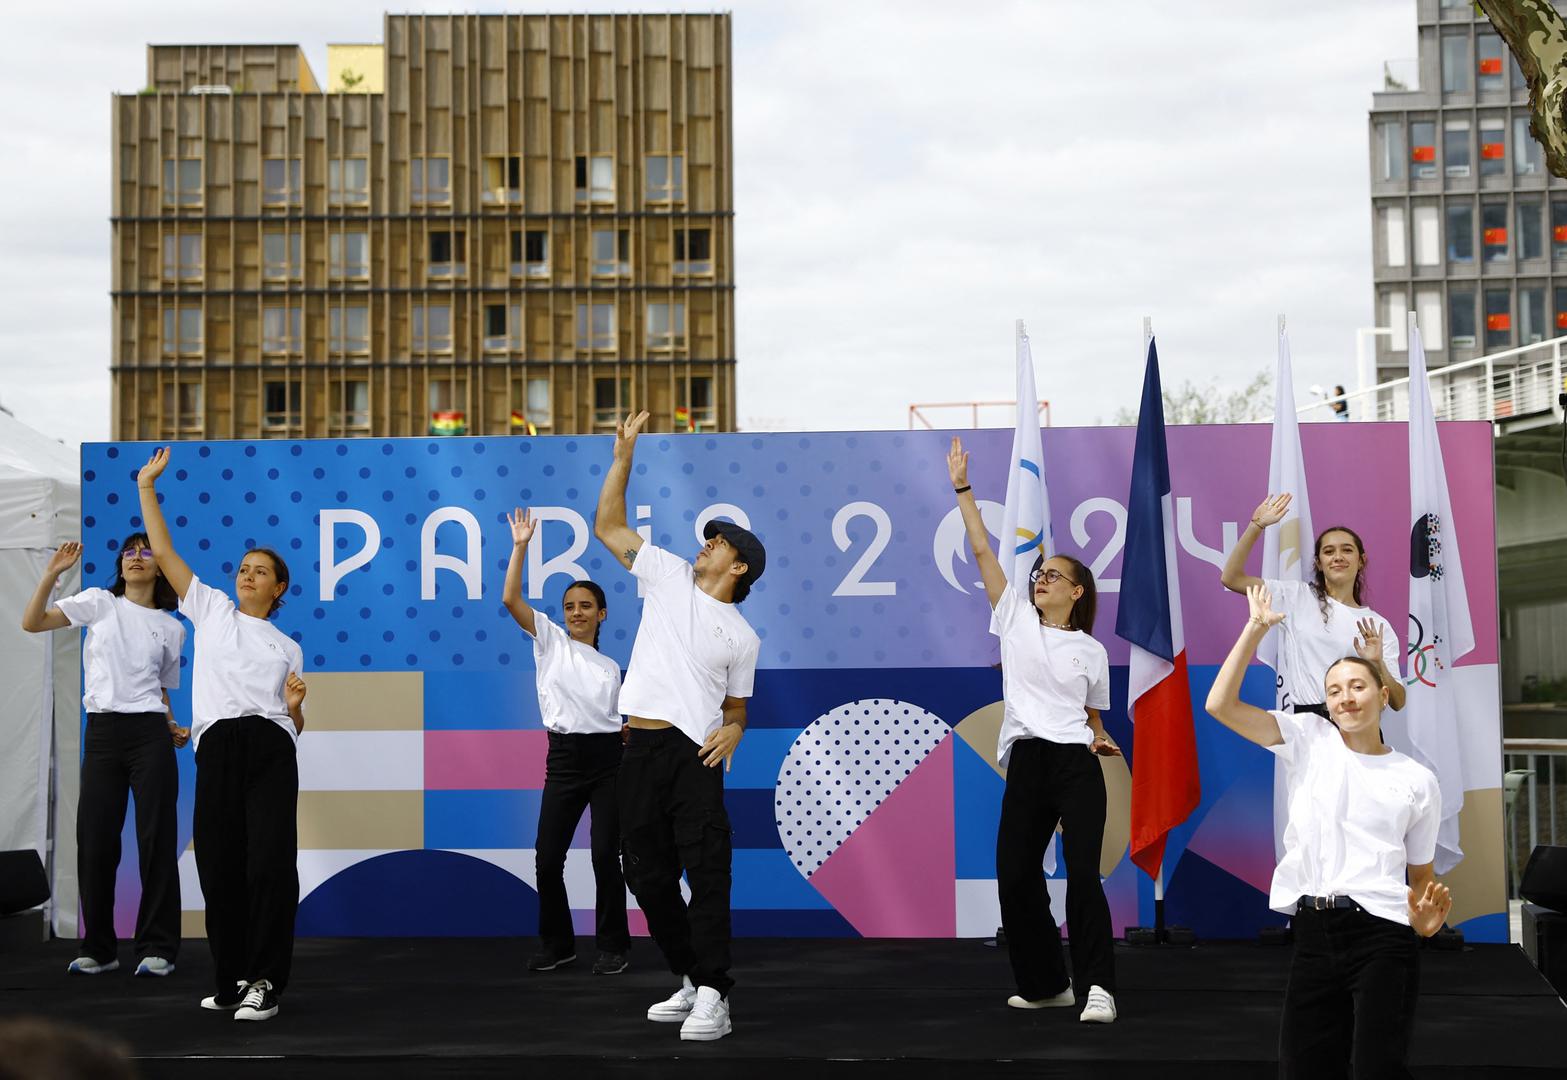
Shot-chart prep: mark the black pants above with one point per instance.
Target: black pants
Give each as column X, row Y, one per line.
column 580, row 772
column 129, row 754
column 672, row 818
column 1350, row 1005
column 247, row 848
column 1049, row 782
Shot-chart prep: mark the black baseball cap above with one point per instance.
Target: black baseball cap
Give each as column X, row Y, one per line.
column 747, row 547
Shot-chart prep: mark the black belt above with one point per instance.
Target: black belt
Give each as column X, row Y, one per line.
column 1320, row 709
column 1325, row 903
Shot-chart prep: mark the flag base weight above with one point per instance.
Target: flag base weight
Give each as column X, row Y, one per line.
column 1447, row 939
column 1173, row 937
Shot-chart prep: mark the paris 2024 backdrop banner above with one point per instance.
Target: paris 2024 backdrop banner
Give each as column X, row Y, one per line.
column 865, row 794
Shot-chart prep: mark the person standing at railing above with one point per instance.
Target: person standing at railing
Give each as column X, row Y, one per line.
column 1340, row 406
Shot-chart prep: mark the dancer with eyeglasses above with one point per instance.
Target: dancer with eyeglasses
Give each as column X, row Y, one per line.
column 1055, row 681
column 130, row 660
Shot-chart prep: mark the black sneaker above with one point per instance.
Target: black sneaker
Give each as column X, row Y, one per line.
column 547, row 959
column 225, row 1000
column 260, row 1002
column 610, row 963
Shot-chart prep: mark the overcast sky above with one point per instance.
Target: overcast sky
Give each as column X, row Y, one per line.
column 911, row 177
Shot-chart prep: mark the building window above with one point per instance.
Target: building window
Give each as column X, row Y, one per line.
column 1493, row 147
column 1428, row 314
column 1528, row 158
column 1422, row 149
column 693, row 251
column 666, row 178
column 1561, row 308
column 1390, row 150
column 1559, row 229
column 538, row 410
column 348, row 255
column 182, row 331
column 1489, row 72
column 182, row 411
column 1498, row 319
column 611, row 401
column 432, row 327
column 1457, row 9
column 282, row 256
column 1460, row 232
column 502, row 327
column 1493, row 231
column 429, row 180
column 666, row 325
column 1394, row 245
column 182, row 182
column 348, row 181
column 1531, row 315
column 1428, row 244
column 348, row 328
column 282, row 182
column 530, row 253
column 1531, row 232
column 1461, row 318
column 1455, row 63
column 502, row 180
column 1395, row 316
column 282, row 329
column 182, row 257
column 596, row 179
column 595, row 326
column 611, row 252
column 351, row 405
column 701, row 412
column 280, row 403
column 448, row 253
column 1455, row 148
column 447, row 412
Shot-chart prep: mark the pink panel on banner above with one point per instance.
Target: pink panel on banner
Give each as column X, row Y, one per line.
column 1230, row 836
column 584, row 921
column 484, row 760
column 894, row 877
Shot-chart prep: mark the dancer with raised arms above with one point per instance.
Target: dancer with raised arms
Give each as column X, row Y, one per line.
column 1055, row 680
column 1322, row 620
column 247, row 701
column 130, row 660
column 1356, row 874
column 579, row 690
column 691, row 671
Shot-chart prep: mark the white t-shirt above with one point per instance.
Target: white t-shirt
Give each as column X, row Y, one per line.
column 579, row 687
column 1308, row 646
column 132, row 652
column 242, row 662
column 1356, row 822
column 691, row 651
column 1049, row 678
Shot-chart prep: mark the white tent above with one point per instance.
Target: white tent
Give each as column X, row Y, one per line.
column 40, row 674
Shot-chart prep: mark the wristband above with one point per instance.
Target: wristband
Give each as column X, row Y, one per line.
column 961, row 490
column 1260, row 526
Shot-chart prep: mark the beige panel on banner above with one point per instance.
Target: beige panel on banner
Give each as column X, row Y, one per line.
column 385, row 820
column 1479, row 882
column 364, row 701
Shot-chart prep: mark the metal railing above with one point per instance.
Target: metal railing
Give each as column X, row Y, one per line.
column 1534, row 798
column 1502, row 387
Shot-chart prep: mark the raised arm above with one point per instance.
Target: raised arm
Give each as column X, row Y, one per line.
column 1368, row 644
column 609, row 522
column 523, row 526
column 39, row 615
column 990, row 571
column 1234, row 575
column 1224, row 696
column 169, row 562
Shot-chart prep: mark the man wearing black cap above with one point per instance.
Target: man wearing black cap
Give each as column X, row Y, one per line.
column 684, row 695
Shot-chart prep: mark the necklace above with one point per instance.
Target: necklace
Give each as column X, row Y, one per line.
column 1053, row 625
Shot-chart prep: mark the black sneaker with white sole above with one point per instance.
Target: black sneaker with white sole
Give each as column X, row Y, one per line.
column 547, row 959
column 260, row 1002
column 610, row 963
column 225, row 1001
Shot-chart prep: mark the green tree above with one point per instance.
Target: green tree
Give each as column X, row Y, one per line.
column 1210, row 403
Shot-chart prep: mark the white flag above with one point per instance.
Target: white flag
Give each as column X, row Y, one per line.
column 1287, row 548
column 1025, row 525
column 1440, row 632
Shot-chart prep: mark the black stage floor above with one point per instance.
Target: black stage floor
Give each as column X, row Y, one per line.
column 463, row 1007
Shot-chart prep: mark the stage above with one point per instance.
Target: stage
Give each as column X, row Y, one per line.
column 465, row 1007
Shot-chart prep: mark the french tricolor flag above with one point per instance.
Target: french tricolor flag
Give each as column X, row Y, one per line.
column 1165, row 785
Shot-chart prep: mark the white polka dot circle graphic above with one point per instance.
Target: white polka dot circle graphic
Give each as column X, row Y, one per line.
column 842, row 767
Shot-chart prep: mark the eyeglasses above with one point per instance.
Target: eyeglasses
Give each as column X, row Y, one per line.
column 136, row 553
column 1051, row 576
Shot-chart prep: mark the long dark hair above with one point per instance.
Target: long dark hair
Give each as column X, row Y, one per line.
column 1081, row 616
column 598, row 595
column 164, row 598
column 279, row 568
column 1319, row 583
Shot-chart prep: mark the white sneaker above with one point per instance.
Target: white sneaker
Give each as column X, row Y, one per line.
column 709, row 1017
column 154, row 965
column 1055, row 1001
column 260, row 1002
column 86, row 965
column 677, row 1006
column 1100, row 1008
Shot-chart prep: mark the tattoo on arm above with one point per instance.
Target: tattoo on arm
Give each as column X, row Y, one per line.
column 628, row 556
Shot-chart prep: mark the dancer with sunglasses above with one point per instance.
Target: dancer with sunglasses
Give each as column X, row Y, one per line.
column 1055, row 680
column 130, row 660
column 247, row 702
